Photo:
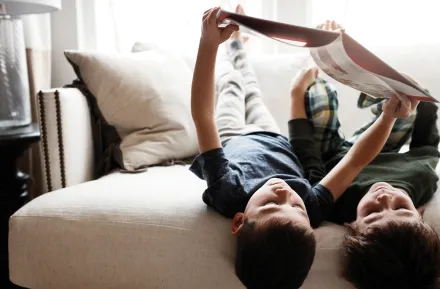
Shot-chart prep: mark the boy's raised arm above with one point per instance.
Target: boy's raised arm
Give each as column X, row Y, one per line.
column 202, row 90
column 202, row 99
column 367, row 147
column 301, row 129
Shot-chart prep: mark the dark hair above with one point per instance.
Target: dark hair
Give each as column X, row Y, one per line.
column 275, row 255
column 402, row 255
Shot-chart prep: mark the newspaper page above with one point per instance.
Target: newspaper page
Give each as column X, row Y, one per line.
column 334, row 61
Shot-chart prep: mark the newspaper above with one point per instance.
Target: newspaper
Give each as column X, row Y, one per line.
column 337, row 54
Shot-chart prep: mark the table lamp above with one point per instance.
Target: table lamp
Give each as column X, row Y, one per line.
column 15, row 108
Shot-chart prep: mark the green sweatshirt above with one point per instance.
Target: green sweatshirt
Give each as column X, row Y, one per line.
column 413, row 171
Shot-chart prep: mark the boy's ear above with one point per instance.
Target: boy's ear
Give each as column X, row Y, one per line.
column 237, row 223
column 421, row 211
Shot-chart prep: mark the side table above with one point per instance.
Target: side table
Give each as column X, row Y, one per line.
column 13, row 185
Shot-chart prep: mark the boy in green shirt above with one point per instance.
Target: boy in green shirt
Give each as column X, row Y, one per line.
column 388, row 244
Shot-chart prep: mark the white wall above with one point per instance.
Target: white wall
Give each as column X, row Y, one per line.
column 72, row 28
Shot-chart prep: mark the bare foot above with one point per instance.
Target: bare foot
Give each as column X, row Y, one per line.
column 237, row 35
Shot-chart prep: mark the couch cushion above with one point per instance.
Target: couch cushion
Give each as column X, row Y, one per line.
column 147, row 230
column 145, row 98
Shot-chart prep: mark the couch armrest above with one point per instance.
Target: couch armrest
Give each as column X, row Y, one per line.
column 66, row 138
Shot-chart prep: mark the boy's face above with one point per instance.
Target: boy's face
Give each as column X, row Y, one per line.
column 384, row 203
column 275, row 199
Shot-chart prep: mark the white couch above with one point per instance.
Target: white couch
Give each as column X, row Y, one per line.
column 146, row 230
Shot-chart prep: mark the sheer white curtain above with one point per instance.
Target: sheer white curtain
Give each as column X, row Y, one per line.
column 37, row 34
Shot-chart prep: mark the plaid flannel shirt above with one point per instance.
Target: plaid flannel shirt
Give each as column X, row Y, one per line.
column 321, row 102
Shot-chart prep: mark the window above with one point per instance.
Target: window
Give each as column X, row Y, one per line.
column 172, row 24
column 383, row 23
column 175, row 24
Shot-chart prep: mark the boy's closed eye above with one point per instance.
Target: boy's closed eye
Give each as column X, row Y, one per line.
column 271, row 203
column 402, row 207
column 377, row 208
column 372, row 211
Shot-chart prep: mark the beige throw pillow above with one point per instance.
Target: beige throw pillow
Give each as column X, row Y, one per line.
column 145, row 97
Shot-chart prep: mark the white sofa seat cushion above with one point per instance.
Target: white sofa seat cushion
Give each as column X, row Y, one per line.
column 147, row 230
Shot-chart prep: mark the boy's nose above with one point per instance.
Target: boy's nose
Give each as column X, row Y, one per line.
column 385, row 200
column 283, row 193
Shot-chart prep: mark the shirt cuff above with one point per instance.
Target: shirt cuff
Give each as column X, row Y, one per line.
column 300, row 128
column 206, row 165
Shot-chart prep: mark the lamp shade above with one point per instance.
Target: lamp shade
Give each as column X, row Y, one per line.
column 19, row 7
